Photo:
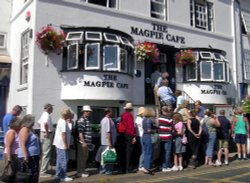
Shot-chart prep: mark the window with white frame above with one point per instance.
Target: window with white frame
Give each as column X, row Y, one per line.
column 72, row 56
column 219, row 71
column 110, row 61
column 191, row 72
column 206, row 70
column 97, row 49
column 201, row 14
column 3, row 40
column 158, row 9
column 245, row 15
column 247, row 64
column 106, row 3
column 124, row 60
column 24, row 57
column 92, row 56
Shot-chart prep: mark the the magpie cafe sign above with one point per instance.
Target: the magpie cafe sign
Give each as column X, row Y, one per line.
column 158, row 32
column 109, row 81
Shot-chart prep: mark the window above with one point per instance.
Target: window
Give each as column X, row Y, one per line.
column 201, row 14
column 92, row 57
column 111, row 38
column 163, row 62
column 74, row 36
column 158, row 9
column 24, row 57
column 213, row 66
column 124, row 60
column 106, row 3
column 98, row 49
column 94, row 36
column 2, row 40
column 247, row 64
column 191, row 72
column 245, row 16
column 206, row 70
column 72, row 56
column 219, row 71
column 110, row 58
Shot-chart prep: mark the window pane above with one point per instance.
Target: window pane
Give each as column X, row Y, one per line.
column 74, row 36
column 111, row 37
column 2, row 40
column 157, row 8
column 206, row 68
column 110, row 58
column 93, row 36
column 123, row 60
column 218, row 71
column 73, row 56
column 191, row 72
column 92, row 55
column 24, row 72
column 98, row 2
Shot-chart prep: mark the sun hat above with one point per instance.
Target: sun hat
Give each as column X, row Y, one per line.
column 140, row 111
column 86, row 108
column 128, row 106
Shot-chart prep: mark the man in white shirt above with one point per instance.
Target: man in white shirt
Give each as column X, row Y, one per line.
column 46, row 130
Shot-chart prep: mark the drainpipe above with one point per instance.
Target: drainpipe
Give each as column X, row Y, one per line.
column 237, row 50
column 241, row 52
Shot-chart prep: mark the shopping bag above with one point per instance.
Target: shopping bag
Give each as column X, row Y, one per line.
column 248, row 145
column 109, row 156
column 24, row 175
column 8, row 174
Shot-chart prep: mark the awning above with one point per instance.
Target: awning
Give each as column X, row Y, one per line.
column 5, row 59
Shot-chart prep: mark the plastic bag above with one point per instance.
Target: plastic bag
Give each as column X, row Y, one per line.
column 109, row 156
column 248, row 145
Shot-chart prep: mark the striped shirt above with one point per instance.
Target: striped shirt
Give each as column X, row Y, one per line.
column 165, row 128
column 84, row 126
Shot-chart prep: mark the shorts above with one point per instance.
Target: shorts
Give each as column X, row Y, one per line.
column 240, row 139
column 223, row 143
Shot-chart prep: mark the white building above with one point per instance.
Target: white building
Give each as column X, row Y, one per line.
column 5, row 60
column 110, row 76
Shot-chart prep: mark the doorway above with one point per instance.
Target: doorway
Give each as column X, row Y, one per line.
column 166, row 63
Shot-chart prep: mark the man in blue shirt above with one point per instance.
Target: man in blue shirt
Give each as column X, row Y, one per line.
column 199, row 109
column 16, row 111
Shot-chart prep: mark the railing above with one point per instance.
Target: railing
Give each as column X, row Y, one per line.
column 190, row 99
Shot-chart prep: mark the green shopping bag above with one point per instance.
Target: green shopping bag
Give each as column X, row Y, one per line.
column 109, row 156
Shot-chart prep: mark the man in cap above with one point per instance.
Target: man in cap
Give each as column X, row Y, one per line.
column 46, row 130
column 84, row 140
column 16, row 111
column 129, row 135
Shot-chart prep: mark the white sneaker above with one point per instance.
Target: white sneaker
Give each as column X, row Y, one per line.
column 175, row 168
column 217, row 163
column 84, row 175
column 166, row 169
column 226, row 162
column 141, row 169
column 180, row 168
column 66, row 179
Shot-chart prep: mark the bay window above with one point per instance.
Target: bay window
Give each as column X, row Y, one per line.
column 209, row 66
column 100, row 49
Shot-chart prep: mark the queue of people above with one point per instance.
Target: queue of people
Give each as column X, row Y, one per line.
column 171, row 141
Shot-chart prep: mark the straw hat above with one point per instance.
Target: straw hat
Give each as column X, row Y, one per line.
column 86, row 108
column 140, row 111
column 128, row 106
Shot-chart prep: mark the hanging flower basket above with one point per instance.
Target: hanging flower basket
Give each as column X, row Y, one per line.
column 185, row 57
column 147, row 52
column 50, row 40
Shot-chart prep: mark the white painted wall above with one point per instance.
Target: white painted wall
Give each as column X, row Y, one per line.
column 45, row 82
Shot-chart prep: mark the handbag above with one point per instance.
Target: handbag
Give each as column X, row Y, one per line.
column 109, row 156
column 8, row 174
column 24, row 175
column 121, row 127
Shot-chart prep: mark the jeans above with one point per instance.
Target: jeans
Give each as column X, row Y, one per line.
column 148, row 151
column 61, row 163
column 142, row 154
column 210, row 144
column 46, row 152
column 167, row 152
